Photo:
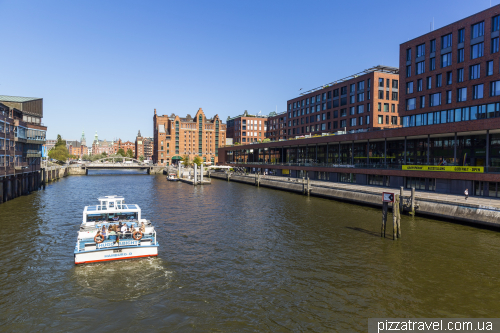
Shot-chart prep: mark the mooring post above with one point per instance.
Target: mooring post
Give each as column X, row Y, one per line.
column 303, row 185
column 258, row 179
column 384, row 219
column 195, row 175
column 398, row 222
column 201, row 173
column 395, row 209
column 412, row 201
column 401, row 197
column 308, row 186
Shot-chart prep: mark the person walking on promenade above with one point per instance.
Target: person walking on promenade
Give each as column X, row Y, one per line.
column 466, row 192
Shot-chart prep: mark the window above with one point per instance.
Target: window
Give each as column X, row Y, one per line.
column 420, row 50
column 336, row 93
column 422, row 102
column 343, row 112
column 380, row 119
column 429, row 82
column 361, row 108
column 432, row 64
column 324, row 97
column 446, row 41
column 318, row 98
column 395, row 84
column 446, row 60
column 329, row 95
column 386, row 107
column 387, row 96
column 489, row 68
column 360, row 121
column 353, row 122
column 461, row 35
column 477, row 50
column 448, row 97
column 477, row 91
column 343, row 123
column 477, row 30
column 343, row 90
column 410, row 104
column 408, row 71
column 335, row 114
column 495, row 88
column 435, row 99
column 368, row 120
column 433, row 45
column 438, row 80
column 449, row 77
column 369, row 83
column 420, row 67
column 394, row 96
column 393, row 108
column 352, row 87
column 462, row 94
column 460, row 75
column 379, row 107
column 495, row 23
column 419, row 85
column 387, row 120
column 381, row 94
column 394, row 120
column 475, row 72
column 460, row 56
column 352, row 110
column 409, row 87
column 380, row 82
column 494, row 45
column 408, row 55
column 352, row 99
column 361, row 85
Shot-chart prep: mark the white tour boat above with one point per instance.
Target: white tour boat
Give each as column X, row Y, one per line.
column 172, row 177
column 138, row 240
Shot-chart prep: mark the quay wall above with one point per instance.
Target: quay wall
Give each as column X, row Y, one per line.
column 462, row 212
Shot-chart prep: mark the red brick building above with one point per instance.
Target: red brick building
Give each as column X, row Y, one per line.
column 247, row 128
column 175, row 137
column 360, row 102
column 276, row 126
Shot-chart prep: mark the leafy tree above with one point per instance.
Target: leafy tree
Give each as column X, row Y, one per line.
column 59, row 153
column 85, row 157
column 141, row 158
column 104, row 154
column 121, row 152
column 60, row 141
column 197, row 160
column 266, row 140
column 130, row 153
column 185, row 161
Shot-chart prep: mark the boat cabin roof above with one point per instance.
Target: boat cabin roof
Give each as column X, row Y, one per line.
column 112, row 204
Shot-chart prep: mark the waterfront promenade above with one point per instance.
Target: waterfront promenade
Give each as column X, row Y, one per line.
column 476, row 210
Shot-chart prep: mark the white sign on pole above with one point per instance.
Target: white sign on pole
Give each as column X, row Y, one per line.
column 387, row 197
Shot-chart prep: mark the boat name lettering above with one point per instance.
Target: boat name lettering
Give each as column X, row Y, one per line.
column 121, row 243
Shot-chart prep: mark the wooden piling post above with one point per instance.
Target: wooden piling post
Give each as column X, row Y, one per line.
column 384, row 219
column 401, row 196
column 395, row 209
column 308, row 186
column 412, row 212
column 398, row 221
column 303, row 185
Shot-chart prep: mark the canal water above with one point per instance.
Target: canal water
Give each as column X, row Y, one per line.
column 236, row 258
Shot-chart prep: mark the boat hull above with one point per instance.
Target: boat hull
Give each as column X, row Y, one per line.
column 115, row 254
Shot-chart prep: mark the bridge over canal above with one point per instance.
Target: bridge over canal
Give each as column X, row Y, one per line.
column 117, row 163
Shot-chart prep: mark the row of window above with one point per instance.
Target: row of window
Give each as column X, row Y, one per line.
column 461, row 96
column 455, row 115
column 343, row 91
column 477, row 30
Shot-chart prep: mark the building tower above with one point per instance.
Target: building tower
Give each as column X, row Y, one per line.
column 83, row 141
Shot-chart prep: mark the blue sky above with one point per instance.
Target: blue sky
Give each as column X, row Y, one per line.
column 106, row 65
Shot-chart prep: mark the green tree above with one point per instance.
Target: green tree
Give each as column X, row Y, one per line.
column 60, row 141
column 85, row 157
column 59, row 153
column 104, row 154
column 130, row 153
column 141, row 158
column 186, row 161
column 197, row 160
column 121, row 152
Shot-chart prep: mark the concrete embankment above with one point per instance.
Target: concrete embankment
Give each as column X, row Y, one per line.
column 483, row 212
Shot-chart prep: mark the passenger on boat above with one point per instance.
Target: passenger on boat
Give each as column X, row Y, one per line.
column 128, row 233
column 123, row 229
column 143, row 227
column 112, row 234
column 103, row 232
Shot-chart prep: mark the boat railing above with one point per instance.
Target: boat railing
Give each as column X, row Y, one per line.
column 81, row 242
